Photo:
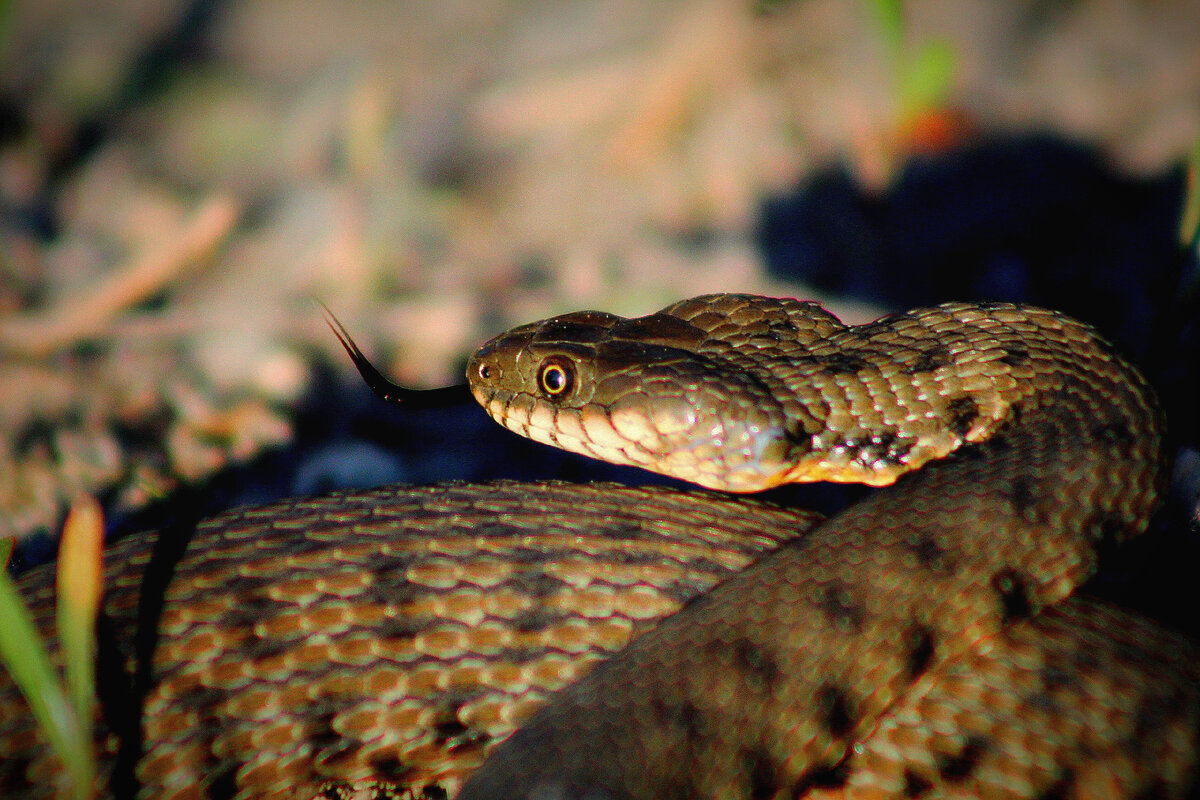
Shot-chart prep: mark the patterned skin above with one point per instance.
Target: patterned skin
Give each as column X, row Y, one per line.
column 383, row 643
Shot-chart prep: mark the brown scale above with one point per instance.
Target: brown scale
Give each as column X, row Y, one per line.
column 380, row 644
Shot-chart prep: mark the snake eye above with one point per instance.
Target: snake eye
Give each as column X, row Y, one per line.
column 555, row 377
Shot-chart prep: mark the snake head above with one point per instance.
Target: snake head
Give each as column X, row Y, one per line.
column 634, row 392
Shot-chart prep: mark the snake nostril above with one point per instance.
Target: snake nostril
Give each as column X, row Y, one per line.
column 485, row 372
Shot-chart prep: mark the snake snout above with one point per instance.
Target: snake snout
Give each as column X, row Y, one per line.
column 483, row 375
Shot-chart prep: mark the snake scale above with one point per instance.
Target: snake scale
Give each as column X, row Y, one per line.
column 922, row 643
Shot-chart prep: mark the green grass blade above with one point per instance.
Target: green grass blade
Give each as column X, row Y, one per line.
column 24, row 654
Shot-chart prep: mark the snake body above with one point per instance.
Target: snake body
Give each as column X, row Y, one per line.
column 391, row 635
column 920, row 644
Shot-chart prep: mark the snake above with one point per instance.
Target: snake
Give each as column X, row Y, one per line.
column 548, row 640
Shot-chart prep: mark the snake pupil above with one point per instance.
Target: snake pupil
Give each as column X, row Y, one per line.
column 554, row 378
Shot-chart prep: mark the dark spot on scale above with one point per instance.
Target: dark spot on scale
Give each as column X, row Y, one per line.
column 389, row 587
column 1013, row 590
column 837, row 602
column 201, row 698
column 252, row 608
column 914, row 785
column 763, row 774
column 697, row 600
column 1063, row 787
column 487, row 529
column 387, row 766
column 929, row 552
column 957, row 767
column 264, row 647
column 881, row 444
column 1042, row 701
column 449, row 727
column 536, row 583
column 399, row 629
column 1084, row 661
column 1157, row 712
column 1055, row 677
column 929, row 360
column 821, row 776
column 321, row 736
column 1022, row 494
column 755, row 662
column 458, row 738
column 962, row 411
column 1015, row 356
column 807, row 364
column 684, row 593
column 625, row 532
column 1112, row 433
column 834, row 710
column 297, row 547
column 843, row 363
column 899, row 450
column 684, row 716
column 796, row 434
column 921, row 649
column 536, row 619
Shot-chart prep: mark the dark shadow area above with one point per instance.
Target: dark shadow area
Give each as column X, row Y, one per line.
column 1035, row 220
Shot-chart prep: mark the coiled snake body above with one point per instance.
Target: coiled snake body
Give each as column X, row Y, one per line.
column 919, row 644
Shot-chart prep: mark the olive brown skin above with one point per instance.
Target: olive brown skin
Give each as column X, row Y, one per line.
column 920, row 644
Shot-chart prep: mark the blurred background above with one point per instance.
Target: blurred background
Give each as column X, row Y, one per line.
column 182, row 180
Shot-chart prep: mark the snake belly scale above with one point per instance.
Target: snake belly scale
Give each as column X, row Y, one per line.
column 922, row 643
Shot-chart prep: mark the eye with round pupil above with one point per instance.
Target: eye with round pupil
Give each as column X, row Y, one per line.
column 554, row 379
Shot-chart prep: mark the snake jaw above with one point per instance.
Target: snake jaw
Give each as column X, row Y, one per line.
column 677, row 434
